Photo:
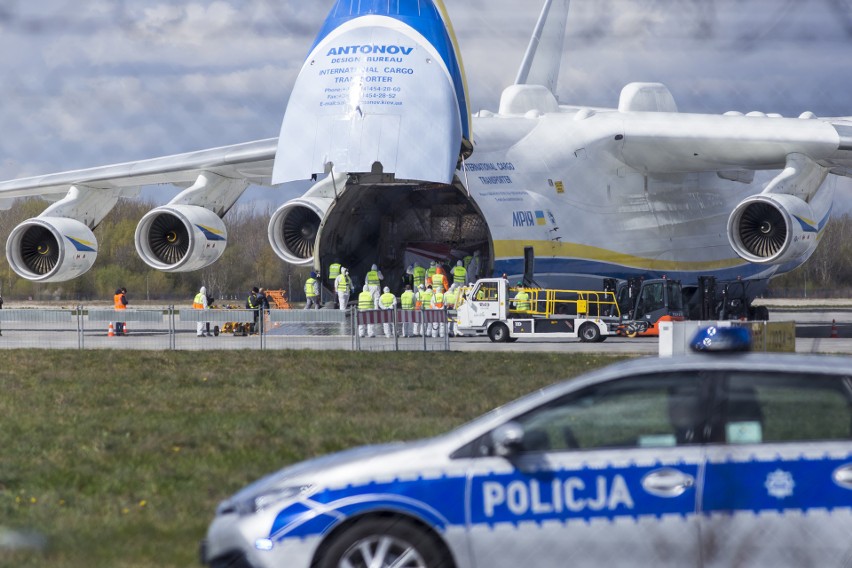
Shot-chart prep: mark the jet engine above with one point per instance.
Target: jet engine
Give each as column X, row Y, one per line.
column 51, row 249
column 294, row 226
column 772, row 228
column 180, row 238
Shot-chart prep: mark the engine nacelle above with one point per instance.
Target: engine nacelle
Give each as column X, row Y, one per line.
column 180, row 238
column 51, row 249
column 773, row 229
column 293, row 229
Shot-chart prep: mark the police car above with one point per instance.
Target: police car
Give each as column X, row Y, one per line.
column 705, row 460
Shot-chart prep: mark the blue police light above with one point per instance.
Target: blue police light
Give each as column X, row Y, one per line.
column 722, row 339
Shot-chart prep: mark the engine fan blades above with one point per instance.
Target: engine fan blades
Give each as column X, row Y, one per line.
column 763, row 231
column 168, row 238
column 299, row 231
column 39, row 250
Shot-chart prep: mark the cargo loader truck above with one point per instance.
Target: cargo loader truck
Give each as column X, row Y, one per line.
column 506, row 313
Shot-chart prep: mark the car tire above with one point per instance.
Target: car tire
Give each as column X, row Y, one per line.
column 589, row 333
column 397, row 542
column 498, row 333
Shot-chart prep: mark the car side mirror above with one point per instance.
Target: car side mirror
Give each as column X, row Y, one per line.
column 507, row 439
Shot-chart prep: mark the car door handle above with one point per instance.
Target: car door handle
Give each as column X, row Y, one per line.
column 667, row 482
column 842, row 476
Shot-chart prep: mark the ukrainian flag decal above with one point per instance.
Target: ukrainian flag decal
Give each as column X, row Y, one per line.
column 81, row 246
column 210, row 233
column 539, row 218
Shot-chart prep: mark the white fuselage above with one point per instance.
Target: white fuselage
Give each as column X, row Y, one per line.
column 555, row 182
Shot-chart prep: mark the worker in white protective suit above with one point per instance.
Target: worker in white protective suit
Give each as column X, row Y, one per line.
column 387, row 301
column 200, row 303
column 365, row 302
column 373, row 281
column 343, row 287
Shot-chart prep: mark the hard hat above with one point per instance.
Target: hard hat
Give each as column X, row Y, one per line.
column 432, row 263
column 366, row 288
column 386, row 290
column 421, row 287
column 313, row 274
column 346, row 271
column 519, row 284
column 458, row 263
column 203, row 290
column 374, row 267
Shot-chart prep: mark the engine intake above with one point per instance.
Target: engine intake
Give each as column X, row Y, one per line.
column 51, row 249
column 180, row 238
column 772, row 229
column 293, row 229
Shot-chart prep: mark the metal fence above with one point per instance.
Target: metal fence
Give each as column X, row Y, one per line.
column 190, row 329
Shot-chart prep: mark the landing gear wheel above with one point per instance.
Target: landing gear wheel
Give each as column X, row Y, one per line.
column 632, row 331
column 589, row 333
column 216, row 330
column 382, row 543
column 499, row 333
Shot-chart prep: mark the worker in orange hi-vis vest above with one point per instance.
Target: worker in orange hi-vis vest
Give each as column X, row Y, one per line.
column 120, row 303
column 439, row 280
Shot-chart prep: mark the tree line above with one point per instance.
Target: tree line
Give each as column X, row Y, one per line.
column 249, row 261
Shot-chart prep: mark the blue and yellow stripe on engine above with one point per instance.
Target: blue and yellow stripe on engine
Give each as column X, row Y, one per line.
column 81, row 245
column 210, row 233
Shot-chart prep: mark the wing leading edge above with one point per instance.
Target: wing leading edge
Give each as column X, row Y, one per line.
column 251, row 161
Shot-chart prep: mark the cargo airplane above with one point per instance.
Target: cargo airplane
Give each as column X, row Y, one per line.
column 379, row 115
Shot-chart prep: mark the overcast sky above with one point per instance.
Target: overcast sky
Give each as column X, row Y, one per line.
column 94, row 82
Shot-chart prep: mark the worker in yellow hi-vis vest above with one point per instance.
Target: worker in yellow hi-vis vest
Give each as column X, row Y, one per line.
column 365, row 302
column 312, row 292
column 373, row 281
column 459, row 274
column 406, row 302
column 438, row 304
column 387, row 301
column 521, row 301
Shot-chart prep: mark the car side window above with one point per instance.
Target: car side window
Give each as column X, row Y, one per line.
column 757, row 408
column 645, row 411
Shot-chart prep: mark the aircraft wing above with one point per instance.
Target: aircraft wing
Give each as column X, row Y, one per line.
column 681, row 142
column 251, row 161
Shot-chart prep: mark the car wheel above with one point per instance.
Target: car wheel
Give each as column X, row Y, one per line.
column 589, row 333
column 498, row 333
column 383, row 543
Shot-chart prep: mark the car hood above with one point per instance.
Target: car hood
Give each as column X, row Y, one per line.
column 325, row 470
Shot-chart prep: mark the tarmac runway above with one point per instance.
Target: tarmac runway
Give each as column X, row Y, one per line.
column 818, row 330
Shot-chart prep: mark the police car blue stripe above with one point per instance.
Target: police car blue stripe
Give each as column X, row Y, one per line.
column 774, row 486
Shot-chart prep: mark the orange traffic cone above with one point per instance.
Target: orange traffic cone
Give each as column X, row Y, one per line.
column 834, row 329
column 111, row 331
column 124, row 328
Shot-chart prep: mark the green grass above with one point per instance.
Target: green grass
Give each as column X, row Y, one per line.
column 119, row 459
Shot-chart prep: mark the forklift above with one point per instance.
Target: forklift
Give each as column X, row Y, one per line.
column 645, row 303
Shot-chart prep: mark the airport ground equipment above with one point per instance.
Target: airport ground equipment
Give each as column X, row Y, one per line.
column 489, row 308
column 643, row 304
